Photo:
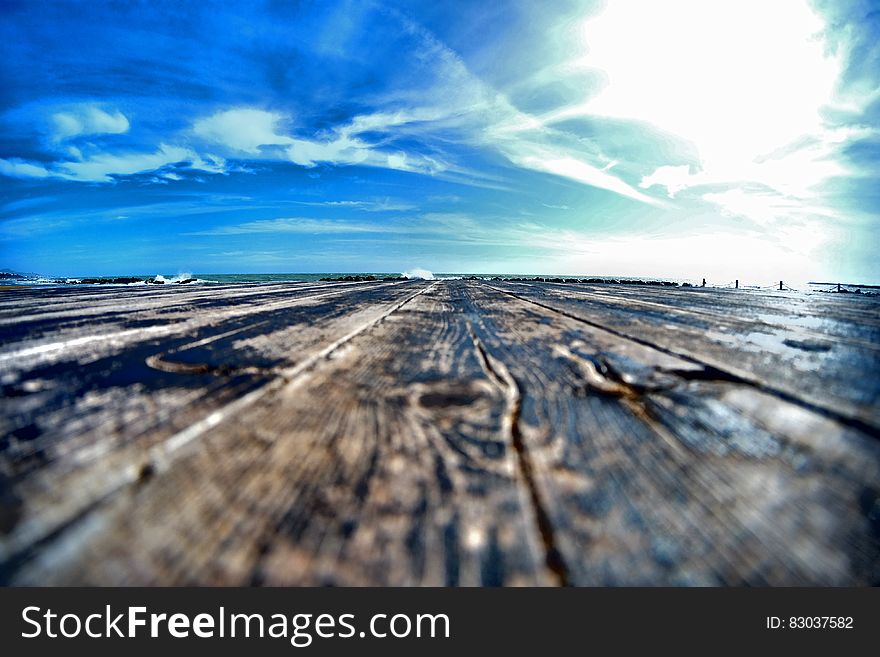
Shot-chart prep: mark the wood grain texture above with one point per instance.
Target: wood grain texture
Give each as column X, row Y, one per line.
column 655, row 469
column 438, row 433
column 803, row 347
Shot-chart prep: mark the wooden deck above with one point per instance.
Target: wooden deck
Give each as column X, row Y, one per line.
column 439, row 433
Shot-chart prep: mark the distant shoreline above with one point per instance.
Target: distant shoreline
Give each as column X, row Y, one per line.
column 14, row 280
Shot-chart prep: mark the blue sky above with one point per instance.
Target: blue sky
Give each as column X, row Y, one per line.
column 682, row 139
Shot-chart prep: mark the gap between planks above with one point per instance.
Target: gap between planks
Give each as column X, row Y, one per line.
column 160, row 456
column 727, row 375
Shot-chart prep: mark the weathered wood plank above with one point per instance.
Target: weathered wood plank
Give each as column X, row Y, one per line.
column 81, row 426
column 447, row 433
column 650, row 470
column 111, row 354
column 57, row 307
column 69, row 313
column 855, row 319
column 388, row 462
column 792, row 354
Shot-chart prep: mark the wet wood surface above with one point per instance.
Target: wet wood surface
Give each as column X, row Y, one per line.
column 438, row 433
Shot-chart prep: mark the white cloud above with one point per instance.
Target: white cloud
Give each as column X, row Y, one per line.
column 796, row 170
column 569, row 167
column 759, row 206
column 251, row 130
column 413, row 162
column 673, row 178
column 17, row 168
column 486, row 117
column 242, row 129
column 335, row 204
column 88, row 119
column 445, row 198
column 100, row 167
column 375, row 205
column 442, row 223
column 345, row 146
column 455, row 104
column 88, row 164
column 339, row 150
column 295, row 225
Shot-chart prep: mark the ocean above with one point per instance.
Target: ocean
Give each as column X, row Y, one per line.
column 9, row 278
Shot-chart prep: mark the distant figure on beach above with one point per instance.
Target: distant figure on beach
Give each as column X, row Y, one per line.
column 704, row 283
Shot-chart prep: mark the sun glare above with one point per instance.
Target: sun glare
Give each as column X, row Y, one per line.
column 738, row 79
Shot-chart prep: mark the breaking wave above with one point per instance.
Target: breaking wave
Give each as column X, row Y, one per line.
column 423, row 274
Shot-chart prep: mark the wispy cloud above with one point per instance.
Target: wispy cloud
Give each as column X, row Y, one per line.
column 88, row 119
column 484, row 117
column 457, row 225
column 541, row 159
column 17, row 168
column 99, row 167
column 406, row 132
column 243, row 129
column 375, row 205
column 296, row 225
column 103, row 167
column 252, row 255
column 256, row 132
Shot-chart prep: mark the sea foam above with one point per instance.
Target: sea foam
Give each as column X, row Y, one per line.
column 424, row 274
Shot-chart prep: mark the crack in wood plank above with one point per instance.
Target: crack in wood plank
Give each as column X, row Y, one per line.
column 708, row 494
column 501, row 375
column 755, row 382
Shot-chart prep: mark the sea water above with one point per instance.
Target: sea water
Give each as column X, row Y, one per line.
column 227, row 279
